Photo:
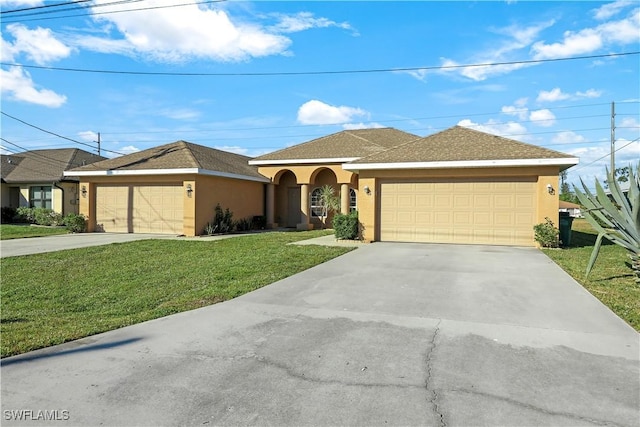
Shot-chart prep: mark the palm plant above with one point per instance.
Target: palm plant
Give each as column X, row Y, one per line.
column 328, row 200
column 616, row 220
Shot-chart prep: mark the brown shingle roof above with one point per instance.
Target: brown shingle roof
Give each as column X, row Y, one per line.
column 345, row 144
column 44, row 165
column 179, row 155
column 461, row 144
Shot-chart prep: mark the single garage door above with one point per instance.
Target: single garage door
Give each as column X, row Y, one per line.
column 474, row 212
column 140, row 208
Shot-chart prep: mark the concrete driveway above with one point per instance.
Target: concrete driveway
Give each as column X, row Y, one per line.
column 389, row 334
column 37, row 245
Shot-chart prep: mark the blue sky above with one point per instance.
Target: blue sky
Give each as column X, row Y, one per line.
column 562, row 105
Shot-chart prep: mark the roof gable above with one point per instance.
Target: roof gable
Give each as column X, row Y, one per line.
column 177, row 156
column 341, row 146
column 460, row 144
column 44, row 165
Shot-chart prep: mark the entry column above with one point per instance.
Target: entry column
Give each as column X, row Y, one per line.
column 270, row 205
column 304, row 208
column 344, row 198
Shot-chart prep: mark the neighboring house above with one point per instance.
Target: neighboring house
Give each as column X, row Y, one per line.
column 169, row 189
column 456, row 186
column 36, row 178
column 573, row 209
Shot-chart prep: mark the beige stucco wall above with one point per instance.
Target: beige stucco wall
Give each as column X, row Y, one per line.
column 547, row 204
column 243, row 198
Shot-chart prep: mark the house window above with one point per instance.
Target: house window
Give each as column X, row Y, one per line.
column 353, row 200
column 316, row 208
column 40, row 197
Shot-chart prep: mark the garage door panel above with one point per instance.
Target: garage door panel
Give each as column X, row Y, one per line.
column 140, row 208
column 480, row 212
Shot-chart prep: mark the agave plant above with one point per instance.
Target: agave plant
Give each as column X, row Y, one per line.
column 616, row 220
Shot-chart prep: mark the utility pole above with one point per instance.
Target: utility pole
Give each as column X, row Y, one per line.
column 613, row 137
column 98, row 141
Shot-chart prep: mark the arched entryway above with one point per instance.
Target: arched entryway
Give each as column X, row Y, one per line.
column 287, row 199
column 320, row 178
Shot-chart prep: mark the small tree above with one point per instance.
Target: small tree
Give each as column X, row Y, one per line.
column 617, row 220
column 328, row 201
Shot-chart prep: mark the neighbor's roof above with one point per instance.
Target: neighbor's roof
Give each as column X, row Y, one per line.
column 568, row 205
column 338, row 147
column 462, row 147
column 174, row 158
column 44, row 165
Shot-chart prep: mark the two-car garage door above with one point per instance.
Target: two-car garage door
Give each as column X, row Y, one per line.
column 491, row 212
column 140, row 208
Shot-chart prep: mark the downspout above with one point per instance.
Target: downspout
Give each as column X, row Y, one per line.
column 61, row 189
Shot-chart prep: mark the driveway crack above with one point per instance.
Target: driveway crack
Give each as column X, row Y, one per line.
column 433, row 393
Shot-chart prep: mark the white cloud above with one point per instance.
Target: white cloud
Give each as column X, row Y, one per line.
column 629, row 123
column 180, row 113
column 304, row 21
column 128, row 149
column 518, row 38
column 315, row 112
column 567, row 137
column 624, row 31
column 556, row 94
column 370, row 125
column 232, row 149
column 25, row 3
column 518, row 109
column 39, row 45
column 183, row 34
column 18, row 85
column 552, row 95
column 610, row 9
column 511, row 130
column 544, row 118
column 88, row 135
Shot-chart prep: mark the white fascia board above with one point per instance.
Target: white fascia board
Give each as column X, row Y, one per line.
column 301, row 161
column 186, row 171
column 464, row 164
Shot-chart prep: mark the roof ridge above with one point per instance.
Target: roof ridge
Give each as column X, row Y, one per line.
column 386, row 149
column 187, row 146
column 350, row 132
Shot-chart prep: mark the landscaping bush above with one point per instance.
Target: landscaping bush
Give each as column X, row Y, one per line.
column 8, row 214
column 75, row 223
column 222, row 221
column 546, row 234
column 26, row 214
column 44, row 216
column 244, row 224
column 259, row 222
column 346, row 226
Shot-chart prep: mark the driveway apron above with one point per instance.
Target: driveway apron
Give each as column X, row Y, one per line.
column 389, row 334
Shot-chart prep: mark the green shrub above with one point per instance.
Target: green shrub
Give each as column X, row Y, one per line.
column 8, row 214
column 222, row 221
column 75, row 223
column 44, row 216
column 26, row 214
column 259, row 222
column 244, row 224
column 346, row 226
column 546, row 234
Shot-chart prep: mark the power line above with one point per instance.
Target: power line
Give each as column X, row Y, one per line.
column 17, row 18
column 306, row 73
column 606, row 155
column 73, row 8
column 55, row 134
column 42, row 6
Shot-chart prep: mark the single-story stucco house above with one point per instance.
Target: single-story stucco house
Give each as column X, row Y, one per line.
column 456, row 186
column 36, row 178
column 572, row 209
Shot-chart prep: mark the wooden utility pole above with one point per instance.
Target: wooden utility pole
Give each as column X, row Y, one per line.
column 613, row 137
column 98, row 141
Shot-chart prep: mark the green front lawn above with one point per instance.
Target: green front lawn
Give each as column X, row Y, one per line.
column 611, row 281
column 12, row 231
column 51, row 298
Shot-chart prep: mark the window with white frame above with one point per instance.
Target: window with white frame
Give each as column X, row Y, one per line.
column 316, row 207
column 40, row 196
column 353, row 200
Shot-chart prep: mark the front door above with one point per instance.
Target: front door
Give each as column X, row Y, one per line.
column 293, row 206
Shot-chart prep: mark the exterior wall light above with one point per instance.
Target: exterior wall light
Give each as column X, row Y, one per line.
column 189, row 190
column 367, row 190
column 84, row 191
column 550, row 189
